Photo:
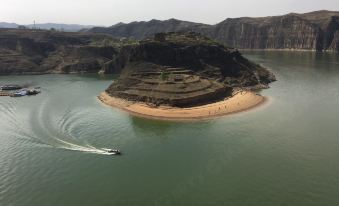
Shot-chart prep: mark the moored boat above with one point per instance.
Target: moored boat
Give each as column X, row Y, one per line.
column 10, row 87
column 19, row 93
column 33, row 91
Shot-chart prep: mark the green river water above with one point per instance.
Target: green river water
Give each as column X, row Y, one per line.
column 283, row 153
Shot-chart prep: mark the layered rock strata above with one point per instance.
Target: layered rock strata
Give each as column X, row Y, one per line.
column 183, row 69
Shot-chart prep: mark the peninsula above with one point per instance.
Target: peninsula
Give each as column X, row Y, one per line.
column 184, row 75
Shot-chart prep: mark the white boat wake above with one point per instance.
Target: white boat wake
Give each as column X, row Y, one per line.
column 52, row 133
column 79, row 148
column 49, row 129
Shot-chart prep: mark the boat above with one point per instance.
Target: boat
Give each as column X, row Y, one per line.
column 33, row 92
column 10, row 87
column 19, row 94
column 113, row 151
column 25, row 92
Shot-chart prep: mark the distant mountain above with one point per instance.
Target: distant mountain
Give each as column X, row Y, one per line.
column 317, row 30
column 8, row 25
column 64, row 27
column 142, row 29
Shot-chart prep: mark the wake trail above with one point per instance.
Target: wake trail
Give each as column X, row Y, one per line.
column 42, row 130
column 75, row 147
column 53, row 133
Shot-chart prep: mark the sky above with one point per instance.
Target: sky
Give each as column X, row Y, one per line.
column 109, row 12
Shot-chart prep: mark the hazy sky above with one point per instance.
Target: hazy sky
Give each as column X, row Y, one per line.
column 108, row 12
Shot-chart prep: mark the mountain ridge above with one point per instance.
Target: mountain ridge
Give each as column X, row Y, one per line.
column 57, row 26
column 136, row 29
column 317, row 30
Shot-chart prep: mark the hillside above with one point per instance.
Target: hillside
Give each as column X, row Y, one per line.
column 39, row 51
column 142, row 29
column 317, row 30
column 310, row 31
column 183, row 69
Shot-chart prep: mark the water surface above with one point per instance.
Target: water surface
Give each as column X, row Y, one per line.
column 284, row 153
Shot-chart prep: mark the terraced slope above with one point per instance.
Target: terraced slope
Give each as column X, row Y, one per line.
column 172, row 86
column 183, row 69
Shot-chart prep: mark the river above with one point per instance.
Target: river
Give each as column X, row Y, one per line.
column 282, row 153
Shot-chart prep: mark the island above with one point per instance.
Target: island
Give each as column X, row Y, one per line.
column 184, row 76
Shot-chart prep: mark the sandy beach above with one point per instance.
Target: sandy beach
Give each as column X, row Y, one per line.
column 239, row 102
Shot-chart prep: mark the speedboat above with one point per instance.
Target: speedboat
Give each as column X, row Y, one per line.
column 113, row 151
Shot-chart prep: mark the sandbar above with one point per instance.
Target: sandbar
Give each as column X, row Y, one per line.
column 240, row 101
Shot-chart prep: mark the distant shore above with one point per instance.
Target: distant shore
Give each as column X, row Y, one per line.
column 239, row 102
column 285, row 49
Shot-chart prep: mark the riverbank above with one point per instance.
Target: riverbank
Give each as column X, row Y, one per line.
column 239, row 102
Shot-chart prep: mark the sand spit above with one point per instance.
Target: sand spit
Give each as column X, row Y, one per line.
column 239, row 102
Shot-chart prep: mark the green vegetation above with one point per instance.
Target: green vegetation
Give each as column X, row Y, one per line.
column 190, row 38
column 108, row 41
column 164, row 76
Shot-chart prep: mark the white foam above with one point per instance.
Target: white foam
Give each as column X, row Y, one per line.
column 87, row 148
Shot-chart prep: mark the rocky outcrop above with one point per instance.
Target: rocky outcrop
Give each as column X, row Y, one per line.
column 183, row 69
column 288, row 32
column 38, row 52
column 309, row 31
column 335, row 43
column 178, row 69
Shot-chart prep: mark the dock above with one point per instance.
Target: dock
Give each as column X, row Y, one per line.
column 3, row 94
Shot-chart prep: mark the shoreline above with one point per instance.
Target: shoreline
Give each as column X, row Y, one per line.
column 291, row 50
column 239, row 102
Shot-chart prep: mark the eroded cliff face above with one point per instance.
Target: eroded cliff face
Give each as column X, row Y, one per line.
column 309, row 31
column 194, row 52
column 331, row 40
column 39, row 52
column 183, row 69
column 289, row 32
column 335, row 43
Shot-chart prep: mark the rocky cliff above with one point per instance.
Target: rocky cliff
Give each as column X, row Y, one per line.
column 183, row 69
column 309, row 31
column 37, row 52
